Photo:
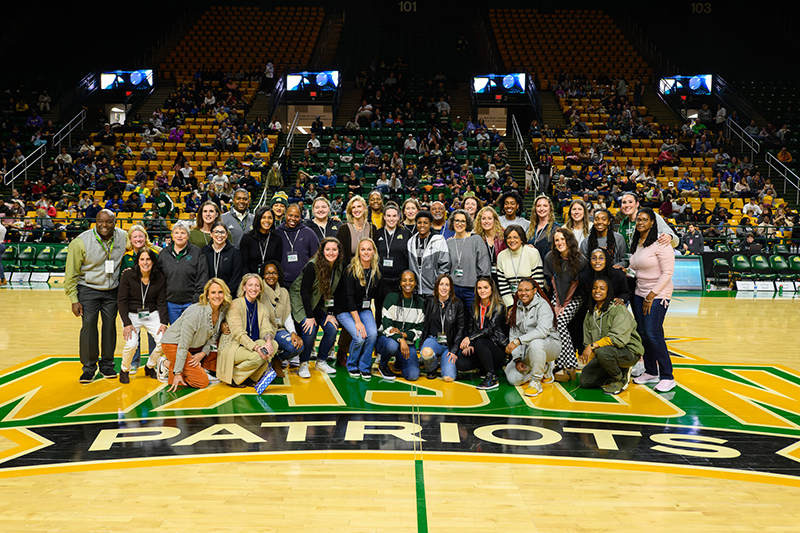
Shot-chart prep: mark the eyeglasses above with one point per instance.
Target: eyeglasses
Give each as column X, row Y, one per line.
column 219, row 232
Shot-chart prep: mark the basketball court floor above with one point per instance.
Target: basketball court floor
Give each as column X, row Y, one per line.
column 719, row 453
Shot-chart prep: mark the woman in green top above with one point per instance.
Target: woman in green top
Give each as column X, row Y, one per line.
column 207, row 216
column 612, row 344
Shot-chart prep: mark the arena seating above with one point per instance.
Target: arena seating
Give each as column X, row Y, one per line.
column 245, row 37
column 546, row 43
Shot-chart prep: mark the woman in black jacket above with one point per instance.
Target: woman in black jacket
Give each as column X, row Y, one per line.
column 443, row 329
column 260, row 244
column 487, row 334
column 223, row 258
column 601, row 266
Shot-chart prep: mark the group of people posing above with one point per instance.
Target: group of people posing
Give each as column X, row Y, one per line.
column 477, row 295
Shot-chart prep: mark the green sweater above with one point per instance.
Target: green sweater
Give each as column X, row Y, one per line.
column 615, row 326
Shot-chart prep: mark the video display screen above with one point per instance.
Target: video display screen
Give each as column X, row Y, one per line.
column 685, row 85
column 126, row 79
column 499, row 84
column 313, row 81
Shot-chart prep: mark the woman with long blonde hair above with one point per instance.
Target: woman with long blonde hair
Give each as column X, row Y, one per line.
column 488, row 227
column 355, row 308
column 543, row 224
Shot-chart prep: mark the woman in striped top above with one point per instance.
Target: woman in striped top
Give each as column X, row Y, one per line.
column 516, row 263
column 402, row 321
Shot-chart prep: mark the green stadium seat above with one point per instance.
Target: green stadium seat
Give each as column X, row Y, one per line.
column 10, row 256
column 794, row 266
column 720, row 265
column 45, row 256
column 781, row 249
column 740, row 265
column 26, row 258
column 721, row 248
column 779, row 266
column 59, row 263
column 761, row 268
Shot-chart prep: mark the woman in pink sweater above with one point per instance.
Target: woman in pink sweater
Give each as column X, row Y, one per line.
column 653, row 265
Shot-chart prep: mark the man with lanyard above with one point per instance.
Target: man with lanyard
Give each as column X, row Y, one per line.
column 629, row 208
column 91, row 282
column 428, row 255
column 239, row 219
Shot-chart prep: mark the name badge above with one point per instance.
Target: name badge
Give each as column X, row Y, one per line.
column 388, row 262
column 513, row 289
column 329, row 303
column 459, row 272
column 109, row 266
column 365, row 304
column 143, row 315
column 494, row 269
column 441, row 338
column 292, row 258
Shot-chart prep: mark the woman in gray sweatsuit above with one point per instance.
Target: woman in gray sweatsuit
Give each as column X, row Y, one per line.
column 533, row 340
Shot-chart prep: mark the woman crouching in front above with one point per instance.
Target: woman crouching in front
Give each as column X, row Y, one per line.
column 535, row 343
column 190, row 343
column 246, row 353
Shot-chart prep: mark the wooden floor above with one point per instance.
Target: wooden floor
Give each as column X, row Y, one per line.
column 354, row 495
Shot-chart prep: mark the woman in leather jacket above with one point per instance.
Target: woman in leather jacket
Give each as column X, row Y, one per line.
column 443, row 329
column 487, row 333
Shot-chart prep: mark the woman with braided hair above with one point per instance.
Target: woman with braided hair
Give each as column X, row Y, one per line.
column 533, row 340
column 602, row 235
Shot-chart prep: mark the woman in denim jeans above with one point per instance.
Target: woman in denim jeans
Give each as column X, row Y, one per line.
column 443, row 329
column 290, row 344
column 355, row 312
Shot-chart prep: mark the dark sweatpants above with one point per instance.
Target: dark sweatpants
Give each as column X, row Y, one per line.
column 104, row 304
column 607, row 363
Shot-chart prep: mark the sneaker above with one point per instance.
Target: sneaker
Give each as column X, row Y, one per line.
column 613, row 387
column 665, row 385
column 548, row 372
column 626, row 377
column 212, row 377
column 354, row 374
column 87, row 377
column 637, row 369
column 294, row 362
column 162, row 369
column 386, row 373
column 303, row 372
column 134, row 369
column 366, row 376
column 323, row 366
column 534, row 389
column 108, row 374
column 432, row 374
column 645, row 378
column 489, row 382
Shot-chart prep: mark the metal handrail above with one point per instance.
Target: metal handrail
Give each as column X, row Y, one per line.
column 37, row 155
column 67, row 130
column 744, row 137
column 784, row 172
column 22, row 166
column 289, row 139
column 517, row 134
column 79, row 92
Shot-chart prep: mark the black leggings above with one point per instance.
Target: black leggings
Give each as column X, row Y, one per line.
column 486, row 355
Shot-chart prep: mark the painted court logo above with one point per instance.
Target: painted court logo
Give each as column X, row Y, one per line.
column 724, row 420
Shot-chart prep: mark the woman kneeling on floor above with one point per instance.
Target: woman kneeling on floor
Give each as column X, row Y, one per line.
column 534, row 342
column 612, row 344
column 190, row 342
column 245, row 354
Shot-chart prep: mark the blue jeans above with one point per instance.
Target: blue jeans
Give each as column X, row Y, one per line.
column 328, row 338
column 176, row 310
column 441, row 351
column 651, row 328
column 286, row 349
column 360, row 357
column 466, row 295
column 388, row 348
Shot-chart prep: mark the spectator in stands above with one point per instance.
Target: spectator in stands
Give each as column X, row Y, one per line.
column 274, row 178
column 327, row 182
column 784, row 156
column 92, row 277
column 686, row 187
column 149, row 153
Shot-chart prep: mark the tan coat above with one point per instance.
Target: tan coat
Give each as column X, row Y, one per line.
column 229, row 344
